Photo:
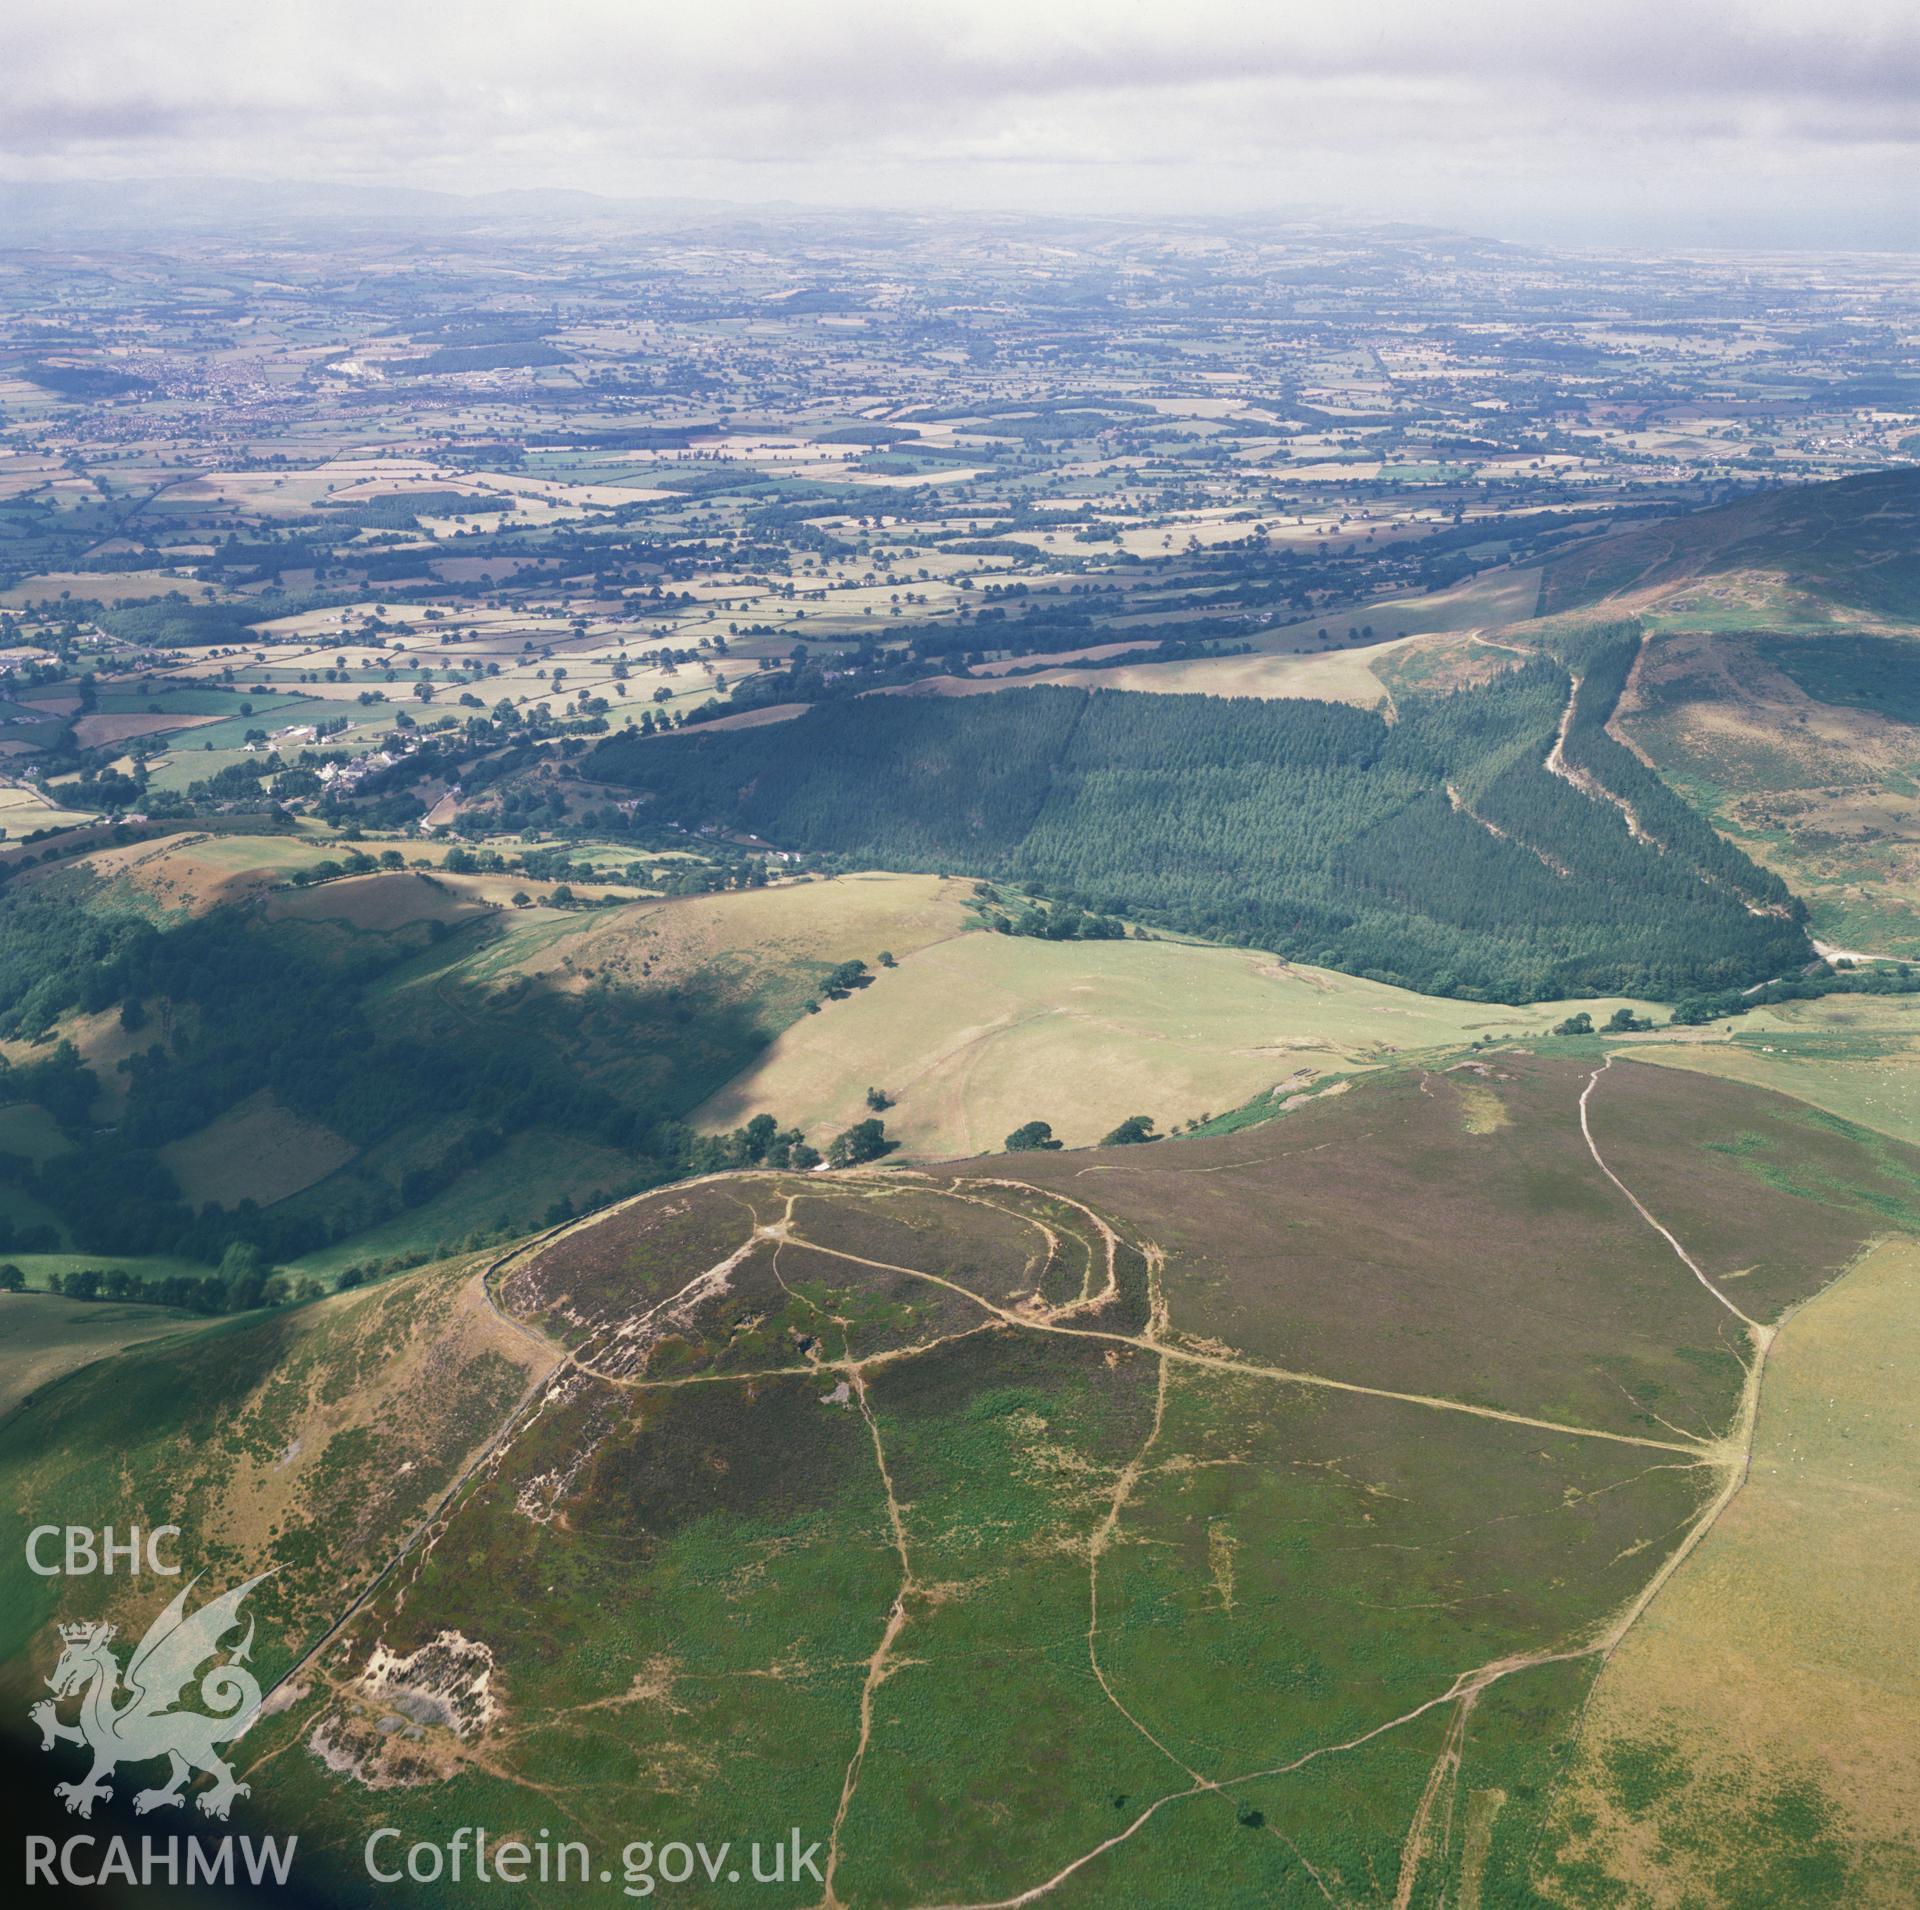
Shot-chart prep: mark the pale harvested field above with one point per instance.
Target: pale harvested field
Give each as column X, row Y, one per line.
column 121, row 586
column 977, row 1035
column 538, row 489
column 1336, row 676
column 424, row 478
column 741, row 940
column 259, row 1151
column 22, row 811
column 1757, row 1736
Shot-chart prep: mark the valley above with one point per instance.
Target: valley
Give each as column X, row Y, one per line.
column 1080, row 1056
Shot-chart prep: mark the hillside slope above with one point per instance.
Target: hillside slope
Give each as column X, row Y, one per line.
column 1195, row 1498
column 1439, row 852
column 393, row 1065
column 1804, row 748
column 1854, row 543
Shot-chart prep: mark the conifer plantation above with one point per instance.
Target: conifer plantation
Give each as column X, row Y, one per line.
column 1437, row 852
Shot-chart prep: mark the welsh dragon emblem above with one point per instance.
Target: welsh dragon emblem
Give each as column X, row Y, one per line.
column 150, row 1721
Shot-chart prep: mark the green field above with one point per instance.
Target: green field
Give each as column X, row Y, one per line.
column 1853, row 1056
column 43, row 1338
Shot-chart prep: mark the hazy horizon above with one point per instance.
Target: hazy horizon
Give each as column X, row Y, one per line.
column 1712, row 124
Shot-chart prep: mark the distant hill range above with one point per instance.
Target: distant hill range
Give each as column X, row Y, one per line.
column 51, row 213
column 1855, row 543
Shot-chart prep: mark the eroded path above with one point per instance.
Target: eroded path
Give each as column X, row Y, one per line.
column 615, row 1353
column 1014, row 1317
column 1781, row 1658
column 1686, row 1259
column 1430, row 1833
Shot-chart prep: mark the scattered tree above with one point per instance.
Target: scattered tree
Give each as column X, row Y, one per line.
column 865, row 1141
column 844, row 979
column 1031, row 1136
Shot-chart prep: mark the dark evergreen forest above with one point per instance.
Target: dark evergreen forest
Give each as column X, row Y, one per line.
column 1436, row 852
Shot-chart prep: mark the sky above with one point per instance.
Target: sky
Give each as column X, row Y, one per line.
column 1766, row 122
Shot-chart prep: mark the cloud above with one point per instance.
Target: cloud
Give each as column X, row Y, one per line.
column 1154, row 105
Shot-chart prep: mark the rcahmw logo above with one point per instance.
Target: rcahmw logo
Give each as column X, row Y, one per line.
column 147, row 1712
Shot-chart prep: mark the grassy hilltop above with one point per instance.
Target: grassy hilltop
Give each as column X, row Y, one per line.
column 1239, row 1516
column 1854, row 544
